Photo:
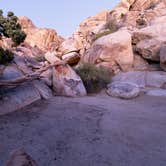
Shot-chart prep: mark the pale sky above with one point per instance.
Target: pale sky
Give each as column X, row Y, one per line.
column 62, row 15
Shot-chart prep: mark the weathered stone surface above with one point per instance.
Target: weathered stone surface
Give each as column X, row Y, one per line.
column 156, row 79
column 125, row 90
column 26, row 22
column 45, row 39
column 21, row 63
column 149, row 49
column 136, row 77
column 69, row 45
column 163, row 57
column 20, row 158
column 26, row 50
column 51, row 57
column 149, row 40
column 11, row 72
column 114, row 49
column 140, row 64
column 71, row 58
column 43, row 89
column 19, row 97
column 127, row 13
column 158, row 20
column 143, row 4
column 66, row 82
column 157, row 92
column 6, row 43
column 84, row 35
column 149, row 32
column 46, row 76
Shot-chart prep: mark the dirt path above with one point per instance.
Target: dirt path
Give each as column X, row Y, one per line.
column 89, row 131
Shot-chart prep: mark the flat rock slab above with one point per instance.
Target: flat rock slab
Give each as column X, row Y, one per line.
column 18, row 97
column 157, row 92
column 156, row 79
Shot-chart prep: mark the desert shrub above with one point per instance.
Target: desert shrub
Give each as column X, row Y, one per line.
column 6, row 56
column 94, row 78
column 101, row 34
column 40, row 58
column 110, row 27
column 9, row 27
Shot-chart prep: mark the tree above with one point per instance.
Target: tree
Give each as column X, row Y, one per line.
column 9, row 27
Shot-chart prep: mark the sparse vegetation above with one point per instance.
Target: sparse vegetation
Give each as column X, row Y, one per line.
column 40, row 58
column 6, row 56
column 94, row 78
column 110, row 27
column 9, row 27
column 101, row 34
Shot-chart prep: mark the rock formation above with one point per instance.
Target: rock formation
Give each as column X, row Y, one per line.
column 43, row 38
column 129, row 38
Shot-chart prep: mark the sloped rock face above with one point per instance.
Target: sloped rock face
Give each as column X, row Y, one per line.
column 111, row 51
column 45, row 39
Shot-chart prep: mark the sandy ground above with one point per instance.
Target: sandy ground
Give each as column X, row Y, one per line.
column 88, row 131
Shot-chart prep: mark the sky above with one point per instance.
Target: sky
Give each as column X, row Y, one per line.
column 62, row 15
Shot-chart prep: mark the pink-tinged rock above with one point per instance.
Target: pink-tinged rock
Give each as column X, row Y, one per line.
column 66, row 82
column 44, row 38
column 51, row 57
column 114, row 49
column 71, row 58
column 69, row 45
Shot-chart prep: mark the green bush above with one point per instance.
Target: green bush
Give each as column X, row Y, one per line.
column 110, row 27
column 101, row 34
column 94, row 78
column 6, row 56
column 9, row 27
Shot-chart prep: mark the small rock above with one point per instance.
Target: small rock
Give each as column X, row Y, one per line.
column 69, row 45
column 51, row 57
column 125, row 90
column 20, row 158
column 71, row 58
